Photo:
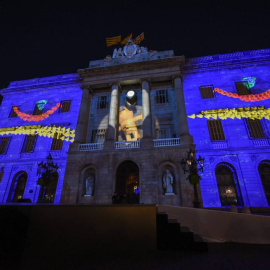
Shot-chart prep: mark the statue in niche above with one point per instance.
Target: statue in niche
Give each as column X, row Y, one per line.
column 167, row 182
column 89, row 185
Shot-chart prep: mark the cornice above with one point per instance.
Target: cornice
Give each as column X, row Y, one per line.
column 132, row 67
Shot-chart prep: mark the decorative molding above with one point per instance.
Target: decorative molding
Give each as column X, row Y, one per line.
column 254, row 157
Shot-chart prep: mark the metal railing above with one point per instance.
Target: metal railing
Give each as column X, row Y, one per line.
column 91, row 146
column 220, row 144
column 261, row 142
column 127, row 145
column 166, row 142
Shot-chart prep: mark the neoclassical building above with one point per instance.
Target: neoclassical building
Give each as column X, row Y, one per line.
column 132, row 131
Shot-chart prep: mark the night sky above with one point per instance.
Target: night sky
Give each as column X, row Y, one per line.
column 46, row 38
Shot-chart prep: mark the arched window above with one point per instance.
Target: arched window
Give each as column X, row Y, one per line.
column 17, row 187
column 264, row 171
column 228, row 186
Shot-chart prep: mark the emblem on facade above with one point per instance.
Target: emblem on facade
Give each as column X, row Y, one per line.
column 131, row 50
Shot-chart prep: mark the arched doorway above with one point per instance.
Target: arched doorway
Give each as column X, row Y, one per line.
column 228, row 186
column 127, row 182
column 17, row 187
column 47, row 191
column 264, row 171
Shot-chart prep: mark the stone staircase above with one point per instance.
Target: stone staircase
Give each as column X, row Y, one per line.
column 171, row 236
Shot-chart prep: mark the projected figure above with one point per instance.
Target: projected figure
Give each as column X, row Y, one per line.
column 127, row 123
column 89, row 185
column 167, row 182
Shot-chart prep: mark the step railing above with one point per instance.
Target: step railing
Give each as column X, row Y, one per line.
column 127, row 145
column 166, row 142
column 91, row 146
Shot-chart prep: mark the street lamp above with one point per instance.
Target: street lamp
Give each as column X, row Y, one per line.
column 44, row 172
column 192, row 166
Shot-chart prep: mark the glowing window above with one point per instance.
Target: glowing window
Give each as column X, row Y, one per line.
column 242, row 88
column 162, row 96
column 12, row 113
column 207, row 91
column 228, row 186
column 4, row 143
column 57, row 144
column 255, row 129
column 65, row 106
column 102, row 102
column 29, row 143
column 216, row 130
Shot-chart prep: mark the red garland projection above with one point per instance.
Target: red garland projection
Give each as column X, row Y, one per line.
column 35, row 118
column 252, row 98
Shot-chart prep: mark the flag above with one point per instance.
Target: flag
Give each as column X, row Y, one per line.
column 139, row 38
column 113, row 40
column 124, row 41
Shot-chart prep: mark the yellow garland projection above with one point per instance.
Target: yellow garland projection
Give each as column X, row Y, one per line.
column 246, row 112
column 252, row 98
column 65, row 134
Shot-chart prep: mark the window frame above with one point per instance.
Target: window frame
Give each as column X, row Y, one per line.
column 98, row 135
column 239, row 91
column 250, row 129
column 27, row 145
column 204, row 87
column 12, row 113
column 6, row 146
column 102, row 104
column 162, row 98
column 37, row 111
column 220, row 136
column 57, row 144
column 60, row 110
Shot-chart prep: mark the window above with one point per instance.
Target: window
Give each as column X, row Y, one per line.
column 57, row 144
column 1, row 99
column 37, row 111
column 12, row 113
column 4, row 143
column 98, row 135
column 228, row 186
column 163, row 132
column 1, row 174
column 242, row 88
column 216, row 130
column 65, row 106
column 102, row 103
column 29, row 143
column 207, row 91
column 255, row 129
column 162, row 96
column 264, row 171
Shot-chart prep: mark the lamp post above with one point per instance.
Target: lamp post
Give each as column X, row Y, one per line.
column 44, row 172
column 190, row 165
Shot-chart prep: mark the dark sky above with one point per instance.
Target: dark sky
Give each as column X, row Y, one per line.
column 45, row 38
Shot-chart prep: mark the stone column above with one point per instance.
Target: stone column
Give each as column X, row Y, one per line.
column 79, row 137
column 111, row 135
column 147, row 123
column 185, row 137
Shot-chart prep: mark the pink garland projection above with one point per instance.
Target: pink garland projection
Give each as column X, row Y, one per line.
column 252, row 98
column 35, row 118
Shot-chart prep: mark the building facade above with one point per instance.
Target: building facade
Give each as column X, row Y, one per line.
column 33, row 112
column 231, row 127
column 132, row 131
column 136, row 114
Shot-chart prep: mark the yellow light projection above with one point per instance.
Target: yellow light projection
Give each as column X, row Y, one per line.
column 64, row 134
column 127, row 123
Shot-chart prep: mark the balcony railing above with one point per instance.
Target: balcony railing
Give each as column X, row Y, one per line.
column 166, row 142
column 91, row 146
column 127, row 145
column 220, row 144
column 261, row 142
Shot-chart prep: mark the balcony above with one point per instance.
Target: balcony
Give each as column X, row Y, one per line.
column 91, row 146
column 261, row 143
column 166, row 142
column 127, row 145
column 219, row 144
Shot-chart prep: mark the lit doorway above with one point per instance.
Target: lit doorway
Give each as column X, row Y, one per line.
column 127, row 182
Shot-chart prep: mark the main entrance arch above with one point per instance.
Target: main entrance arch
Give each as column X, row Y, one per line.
column 127, row 183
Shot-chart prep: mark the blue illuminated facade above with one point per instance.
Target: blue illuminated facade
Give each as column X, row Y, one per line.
column 19, row 155
column 244, row 146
